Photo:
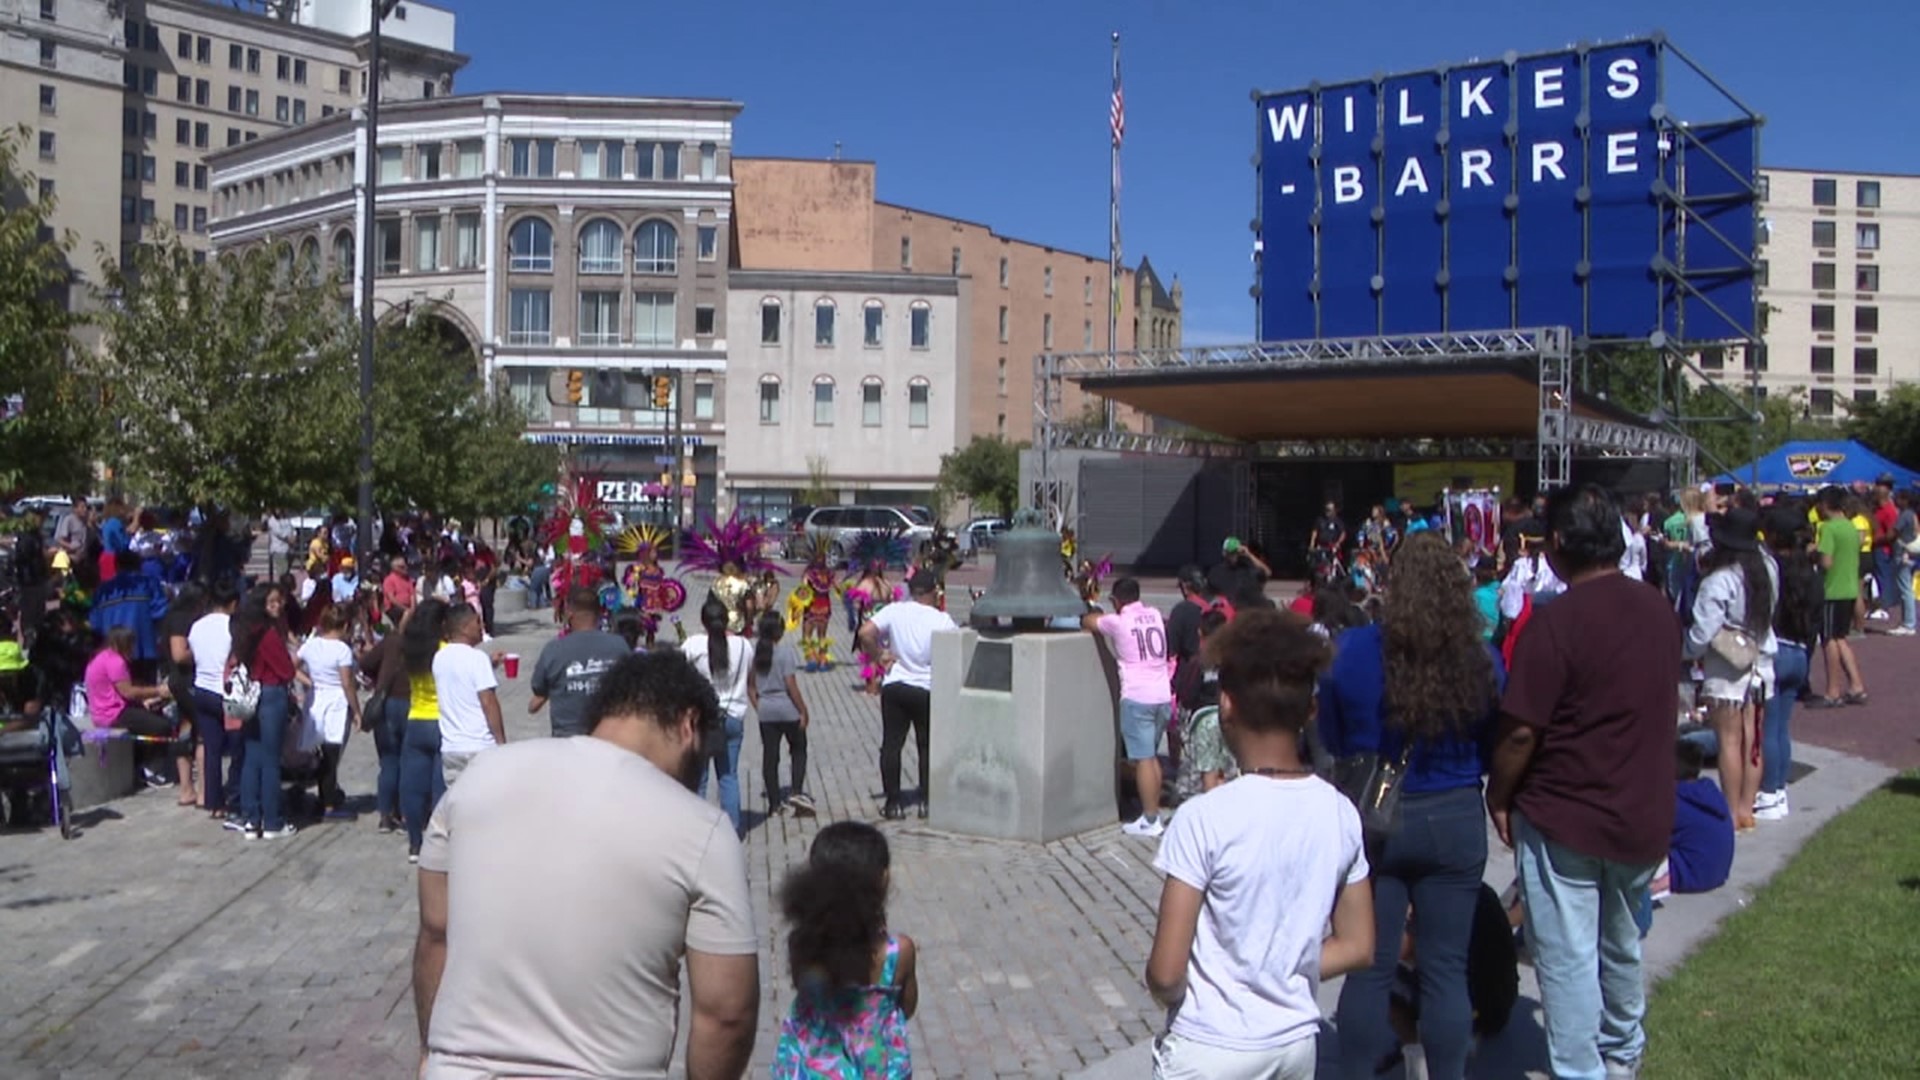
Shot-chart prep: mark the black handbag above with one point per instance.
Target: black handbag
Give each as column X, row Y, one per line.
column 1373, row 784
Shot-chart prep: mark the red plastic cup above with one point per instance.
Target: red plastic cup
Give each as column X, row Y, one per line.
column 511, row 662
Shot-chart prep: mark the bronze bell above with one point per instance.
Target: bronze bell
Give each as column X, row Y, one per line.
column 1028, row 585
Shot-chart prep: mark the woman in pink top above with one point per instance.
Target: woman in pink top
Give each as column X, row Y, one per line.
column 114, row 700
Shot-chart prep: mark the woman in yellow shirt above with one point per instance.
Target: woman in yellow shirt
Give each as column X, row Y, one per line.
column 421, row 781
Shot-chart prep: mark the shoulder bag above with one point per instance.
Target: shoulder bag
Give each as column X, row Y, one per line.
column 1735, row 647
column 1373, row 783
column 242, row 698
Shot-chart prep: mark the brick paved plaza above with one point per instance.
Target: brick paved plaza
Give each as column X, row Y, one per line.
column 158, row 945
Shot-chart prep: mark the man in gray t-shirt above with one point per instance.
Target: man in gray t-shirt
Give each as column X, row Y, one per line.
column 569, row 668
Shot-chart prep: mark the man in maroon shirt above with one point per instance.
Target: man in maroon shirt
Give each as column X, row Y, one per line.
column 1886, row 519
column 1582, row 783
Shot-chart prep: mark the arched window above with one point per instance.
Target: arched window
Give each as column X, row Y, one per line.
column 873, row 318
column 823, row 401
column 769, row 321
column 769, row 399
column 920, row 324
column 283, row 259
column 918, row 393
column 823, row 321
column 530, row 246
column 310, row 260
column 343, row 254
column 871, row 393
column 656, row 248
column 600, row 247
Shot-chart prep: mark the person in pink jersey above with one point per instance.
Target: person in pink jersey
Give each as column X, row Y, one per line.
column 1138, row 637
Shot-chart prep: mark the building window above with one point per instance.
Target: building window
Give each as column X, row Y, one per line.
column 49, row 96
column 182, row 174
column 1820, row 401
column 343, row 253
column 599, row 318
column 129, row 209
column 149, row 168
column 49, row 56
column 1824, row 234
column 1004, row 272
column 707, row 242
column 769, row 399
column 46, row 146
column 46, row 189
column 1823, row 275
column 49, row 14
column 182, row 89
column 1046, row 280
column 427, row 156
column 656, row 248
column 466, row 241
column 1760, row 272
column 769, row 322
column 1866, row 278
column 426, row 242
column 1000, row 425
column 1864, row 398
column 600, row 247
column 234, row 55
column 872, row 392
column 653, row 321
column 906, row 253
column 345, row 82
column 183, row 45
column 955, row 271
column 1046, row 331
column 202, row 134
column 709, row 161
column 872, row 316
column 643, row 160
column 1003, row 324
column 300, row 72
column 392, row 164
column 1866, row 236
column 823, row 322
column 1001, row 383
column 182, row 132
column 1866, row 320
column 388, row 236
column 703, row 401
column 1086, row 334
column 529, row 387
column 299, row 110
column 427, row 88
column 180, row 217
column 1765, row 188
column 529, row 316
column 469, row 158
column 1821, row 362
column 823, row 401
column 1086, row 289
column 1713, row 359
column 1823, row 318
column 146, row 211
column 199, row 178
column 283, row 68
column 1826, row 192
column 917, row 393
column 532, row 157
column 530, row 246
column 1866, row 194
column 703, row 320
column 599, row 160
column 202, row 93
column 920, row 324
column 669, row 161
column 1866, row 361
column 253, row 103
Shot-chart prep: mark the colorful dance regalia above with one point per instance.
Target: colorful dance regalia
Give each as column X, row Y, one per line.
column 816, row 648
column 732, row 589
column 739, row 543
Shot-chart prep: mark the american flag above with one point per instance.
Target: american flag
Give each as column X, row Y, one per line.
column 1117, row 111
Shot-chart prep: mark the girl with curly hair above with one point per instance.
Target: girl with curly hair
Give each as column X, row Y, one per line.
column 1421, row 686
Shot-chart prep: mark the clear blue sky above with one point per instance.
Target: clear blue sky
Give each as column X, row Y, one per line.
column 995, row 110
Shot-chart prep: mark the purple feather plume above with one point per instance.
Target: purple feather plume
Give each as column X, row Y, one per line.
column 737, row 540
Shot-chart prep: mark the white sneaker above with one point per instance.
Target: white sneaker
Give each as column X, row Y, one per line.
column 1770, row 806
column 1901, row 631
column 279, row 833
column 1144, row 826
column 1881, row 613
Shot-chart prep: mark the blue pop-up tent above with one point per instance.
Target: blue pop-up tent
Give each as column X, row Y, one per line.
column 1807, row 466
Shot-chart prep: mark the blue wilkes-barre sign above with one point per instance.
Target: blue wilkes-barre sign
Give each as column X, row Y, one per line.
column 1522, row 192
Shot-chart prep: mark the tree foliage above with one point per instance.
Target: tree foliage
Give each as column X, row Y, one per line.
column 47, row 445
column 1890, row 425
column 986, row 472
column 1724, row 420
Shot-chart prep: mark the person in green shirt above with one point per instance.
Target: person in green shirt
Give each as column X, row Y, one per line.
column 1839, row 549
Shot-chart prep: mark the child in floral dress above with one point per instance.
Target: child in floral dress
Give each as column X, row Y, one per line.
column 854, row 981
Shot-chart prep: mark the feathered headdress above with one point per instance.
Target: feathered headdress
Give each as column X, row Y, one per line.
column 888, row 547
column 737, row 541
column 640, row 542
column 593, row 515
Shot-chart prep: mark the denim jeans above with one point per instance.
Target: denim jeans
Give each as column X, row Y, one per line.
column 727, row 768
column 1883, row 568
column 1776, row 742
column 1903, row 588
column 421, row 784
column 260, row 770
column 1586, row 952
column 389, row 736
column 210, row 721
column 538, row 592
column 1435, row 860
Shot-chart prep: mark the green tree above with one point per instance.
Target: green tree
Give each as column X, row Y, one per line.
column 986, row 472
column 233, row 378
column 49, row 413
column 1890, row 425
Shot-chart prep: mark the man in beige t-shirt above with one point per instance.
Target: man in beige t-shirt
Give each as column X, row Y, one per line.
column 561, row 882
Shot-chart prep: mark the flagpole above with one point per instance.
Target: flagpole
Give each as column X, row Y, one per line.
column 1116, row 130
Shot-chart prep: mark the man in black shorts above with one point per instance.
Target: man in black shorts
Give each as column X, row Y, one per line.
column 1839, row 554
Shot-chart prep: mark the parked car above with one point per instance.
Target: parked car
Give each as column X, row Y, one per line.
column 982, row 533
column 836, row 526
column 790, row 532
column 55, row 505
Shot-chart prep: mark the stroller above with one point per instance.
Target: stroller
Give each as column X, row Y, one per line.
column 33, row 769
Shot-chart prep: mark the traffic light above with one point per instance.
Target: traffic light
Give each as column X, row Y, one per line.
column 662, row 391
column 576, row 386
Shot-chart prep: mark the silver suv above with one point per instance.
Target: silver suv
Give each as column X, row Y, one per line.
column 836, row 526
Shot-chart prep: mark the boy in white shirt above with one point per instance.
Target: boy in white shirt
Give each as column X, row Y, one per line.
column 1253, row 870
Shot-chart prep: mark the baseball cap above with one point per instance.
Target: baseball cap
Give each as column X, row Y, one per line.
column 1231, row 545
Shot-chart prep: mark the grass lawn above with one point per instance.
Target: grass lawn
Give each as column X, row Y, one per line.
column 1820, row 976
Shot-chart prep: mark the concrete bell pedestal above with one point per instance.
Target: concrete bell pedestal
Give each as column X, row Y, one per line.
column 1024, row 734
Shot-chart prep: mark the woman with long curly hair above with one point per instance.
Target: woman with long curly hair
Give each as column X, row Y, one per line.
column 1422, row 687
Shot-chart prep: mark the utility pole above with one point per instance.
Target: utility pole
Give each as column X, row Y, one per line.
column 369, row 266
